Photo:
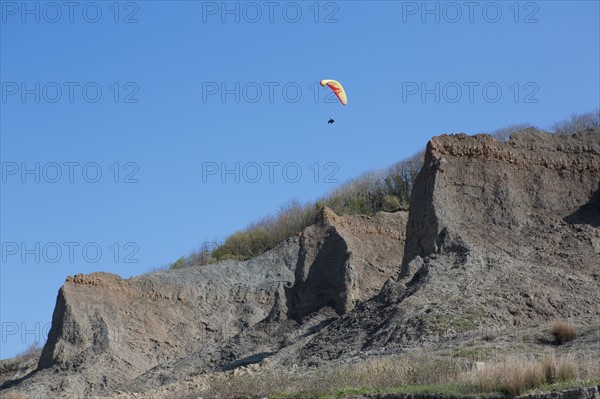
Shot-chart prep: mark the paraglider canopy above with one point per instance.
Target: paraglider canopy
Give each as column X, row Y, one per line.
column 337, row 89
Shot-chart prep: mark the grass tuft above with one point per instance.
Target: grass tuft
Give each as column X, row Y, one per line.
column 563, row 332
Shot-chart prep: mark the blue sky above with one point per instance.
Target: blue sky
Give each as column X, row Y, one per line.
column 117, row 110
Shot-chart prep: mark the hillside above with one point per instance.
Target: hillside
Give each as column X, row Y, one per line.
column 502, row 238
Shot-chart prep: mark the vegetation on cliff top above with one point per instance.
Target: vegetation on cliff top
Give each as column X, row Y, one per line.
column 383, row 190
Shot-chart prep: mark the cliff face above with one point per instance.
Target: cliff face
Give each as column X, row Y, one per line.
column 509, row 197
column 107, row 331
column 346, row 259
column 500, row 235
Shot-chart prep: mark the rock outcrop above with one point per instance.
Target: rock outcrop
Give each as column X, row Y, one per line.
column 501, row 235
column 346, row 259
column 108, row 330
column 476, row 191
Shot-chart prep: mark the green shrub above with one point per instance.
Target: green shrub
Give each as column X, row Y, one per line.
column 391, row 203
column 367, row 193
column 179, row 263
column 243, row 245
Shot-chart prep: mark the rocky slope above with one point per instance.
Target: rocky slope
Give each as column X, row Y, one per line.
column 501, row 236
column 108, row 331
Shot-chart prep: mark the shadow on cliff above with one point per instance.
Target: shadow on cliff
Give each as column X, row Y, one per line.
column 321, row 276
column 588, row 213
column 11, row 383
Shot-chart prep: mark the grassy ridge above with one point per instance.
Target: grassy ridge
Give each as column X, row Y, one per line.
column 385, row 190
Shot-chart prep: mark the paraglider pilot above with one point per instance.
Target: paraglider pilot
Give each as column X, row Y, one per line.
column 338, row 90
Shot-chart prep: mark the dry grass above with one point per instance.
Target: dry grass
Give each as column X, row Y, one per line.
column 563, row 332
column 378, row 373
column 514, row 376
column 509, row 375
